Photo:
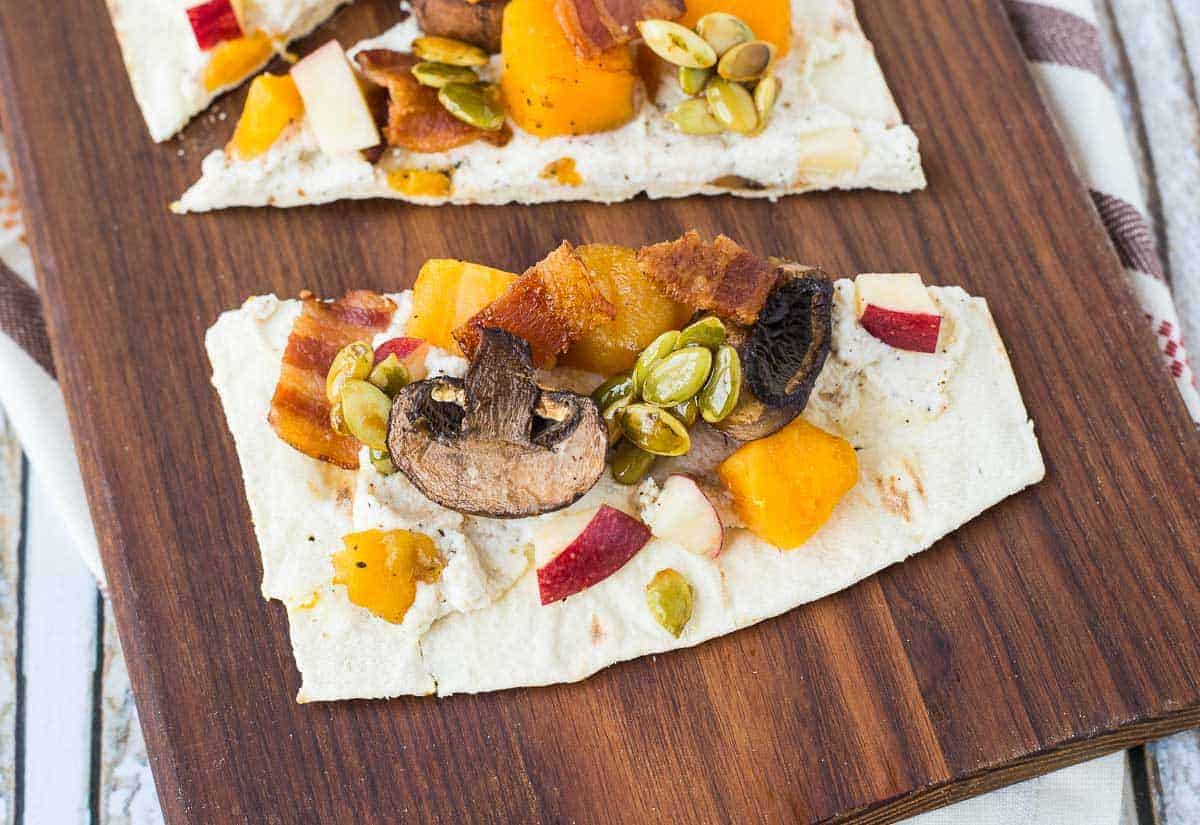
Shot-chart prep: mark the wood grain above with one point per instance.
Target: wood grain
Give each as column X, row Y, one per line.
column 1059, row 626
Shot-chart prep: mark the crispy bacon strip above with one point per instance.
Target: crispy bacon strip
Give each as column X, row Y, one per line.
column 299, row 411
column 593, row 26
column 552, row 305
column 416, row 121
column 718, row 275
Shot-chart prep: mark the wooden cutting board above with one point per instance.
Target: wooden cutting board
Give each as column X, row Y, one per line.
column 1060, row 625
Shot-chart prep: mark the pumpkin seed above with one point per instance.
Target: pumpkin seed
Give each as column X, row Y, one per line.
column 724, row 386
column 747, row 62
column 437, row 75
column 707, row 332
column 678, row 377
column 693, row 81
column 655, row 430
column 390, row 375
column 731, row 105
column 766, row 91
column 381, row 460
column 612, row 419
column 473, row 103
column 687, row 412
column 631, row 463
column 448, row 50
column 366, row 410
column 723, row 31
column 677, row 44
column 337, row 421
column 619, row 387
column 692, row 117
column 670, row 598
column 660, row 347
column 352, row 361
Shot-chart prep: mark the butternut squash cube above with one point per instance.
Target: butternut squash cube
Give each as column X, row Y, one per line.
column 381, row 568
column 785, row 486
column 447, row 294
column 271, row 105
column 643, row 312
column 549, row 89
column 233, row 60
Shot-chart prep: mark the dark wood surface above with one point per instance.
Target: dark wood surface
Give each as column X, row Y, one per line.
column 1060, row 625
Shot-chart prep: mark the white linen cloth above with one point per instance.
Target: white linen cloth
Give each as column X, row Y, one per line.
column 1116, row 76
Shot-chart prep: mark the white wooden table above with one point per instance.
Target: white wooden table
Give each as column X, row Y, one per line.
column 71, row 751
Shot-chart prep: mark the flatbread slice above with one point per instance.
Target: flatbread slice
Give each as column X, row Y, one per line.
column 166, row 66
column 835, row 125
column 939, row 438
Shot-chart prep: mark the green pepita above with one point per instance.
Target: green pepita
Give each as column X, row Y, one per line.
column 337, row 421
column 723, row 31
column 687, row 412
column 692, row 117
column 437, row 75
column 660, row 347
column 631, row 463
column 390, row 375
column 677, row 44
column 731, row 105
column 747, row 62
column 766, row 92
column 366, row 410
column 612, row 419
column 670, row 597
column 707, row 332
column 352, row 361
column 655, row 430
column 618, row 388
column 381, row 460
column 678, row 377
column 473, row 103
column 693, row 81
column 724, row 386
column 448, row 50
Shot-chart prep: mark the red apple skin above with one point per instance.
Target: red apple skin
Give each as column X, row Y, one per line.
column 903, row 330
column 609, row 540
column 410, row 351
column 214, row 22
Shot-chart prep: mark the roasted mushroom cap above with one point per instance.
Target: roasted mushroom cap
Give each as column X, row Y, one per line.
column 782, row 353
column 495, row 443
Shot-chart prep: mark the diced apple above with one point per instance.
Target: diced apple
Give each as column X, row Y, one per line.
column 214, row 22
column 897, row 310
column 334, row 102
column 684, row 515
column 410, row 351
column 576, row 550
column 837, row 150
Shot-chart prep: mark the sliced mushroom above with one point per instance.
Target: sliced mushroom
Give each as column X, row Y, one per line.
column 495, row 443
column 475, row 21
column 782, row 353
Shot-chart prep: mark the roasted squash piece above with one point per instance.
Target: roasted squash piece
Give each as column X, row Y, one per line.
column 380, row 569
column 551, row 306
column 785, row 486
column 770, row 19
column 447, row 293
column 549, row 89
column 272, row 103
column 643, row 312
column 233, row 59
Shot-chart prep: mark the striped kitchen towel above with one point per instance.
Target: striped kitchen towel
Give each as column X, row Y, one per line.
column 1119, row 62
